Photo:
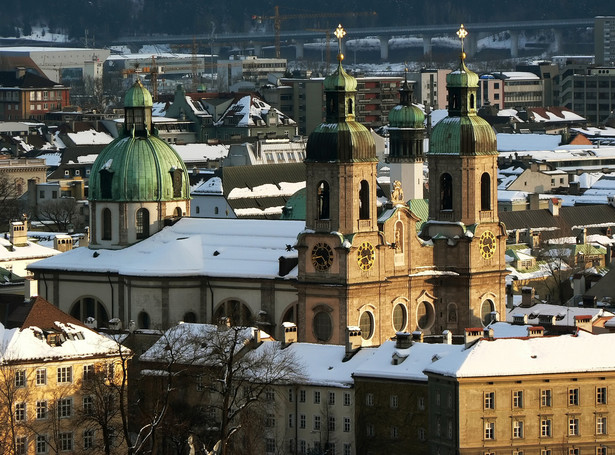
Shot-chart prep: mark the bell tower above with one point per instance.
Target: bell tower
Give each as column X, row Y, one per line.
column 469, row 241
column 338, row 251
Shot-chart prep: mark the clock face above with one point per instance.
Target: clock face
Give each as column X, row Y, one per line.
column 486, row 244
column 365, row 256
column 322, row 256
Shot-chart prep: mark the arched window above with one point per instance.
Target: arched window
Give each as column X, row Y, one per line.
column 190, row 317
column 90, row 307
column 106, row 179
column 400, row 317
column 350, row 106
column 238, row 313
column 216, row 210
column 142, row 224
column 364, row 200
column 485, row 191
column 323, row 201
column 291, row 314
column 472, row 101
column 323, row 327
column 486, row 310
column 452, row 313
column 178, row 211
column 143, row 320
column 106, row 224
column 198, row 209
column 425, row 315
column 446, row 192
column 366, row 323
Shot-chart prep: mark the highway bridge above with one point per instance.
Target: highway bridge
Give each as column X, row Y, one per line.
column 426, row 32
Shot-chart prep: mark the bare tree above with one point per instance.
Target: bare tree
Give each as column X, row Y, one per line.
column 232, row 374
column 13, row 411
column 9, row 205
column 61, row 212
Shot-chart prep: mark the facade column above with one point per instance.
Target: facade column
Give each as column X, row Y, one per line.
column 299, row 47
column 427, row 48
column 514, row 44
column 384, row 48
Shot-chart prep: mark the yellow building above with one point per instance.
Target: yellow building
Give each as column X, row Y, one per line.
column 532, row 396
column 59, row 384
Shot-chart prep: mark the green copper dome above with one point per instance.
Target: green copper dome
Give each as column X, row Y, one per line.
column 466, row 135
column 462, row 77
column 344, row 141
column 138, row 166
column 406, row 117
column 340, row 80
column 462, row 132
column 138, row 96
column 138, row 169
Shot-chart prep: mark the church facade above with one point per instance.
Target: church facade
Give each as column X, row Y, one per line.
column 351, row 268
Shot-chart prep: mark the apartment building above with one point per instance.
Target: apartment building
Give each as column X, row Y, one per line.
column 54, row 369
column 533, row 396
column 589, row 91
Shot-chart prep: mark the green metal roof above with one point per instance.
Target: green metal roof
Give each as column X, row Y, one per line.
column 340, row 80
column 406, row 117
column 138, row 96
column 462, row 77
column 469, row 135
column 295, row 206
column 344, row 141
column 141, row 168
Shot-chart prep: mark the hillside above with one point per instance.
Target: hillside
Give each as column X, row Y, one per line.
column 108, row 19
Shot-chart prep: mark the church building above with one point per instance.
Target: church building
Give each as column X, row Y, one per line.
column 351, row 269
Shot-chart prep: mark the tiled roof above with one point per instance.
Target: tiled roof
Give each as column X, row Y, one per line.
column 28, row 80
column 42, row 314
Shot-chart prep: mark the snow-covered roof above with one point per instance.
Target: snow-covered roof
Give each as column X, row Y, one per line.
column 194, row 247
column 583, row 352
column 510, row 142
column 24, row 345
column 90, row 137
column 415, row 359
column 564, row 315
column 30, row 250
column 209, row 187
column 198, row 152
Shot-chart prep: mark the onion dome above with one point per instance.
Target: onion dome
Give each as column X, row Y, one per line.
column 138, row 166
column 138, row 96
column 462, row 132
column 340, row 138
column 405, row 114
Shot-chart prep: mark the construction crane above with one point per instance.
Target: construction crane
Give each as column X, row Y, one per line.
column 277, row 21
column 153, row 71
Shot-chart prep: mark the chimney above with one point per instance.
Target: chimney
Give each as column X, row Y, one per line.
column 19, row 233
column 353, row 339
column 78, row 192
column 554, row 205
column 583, row 322
column 472, row 334
column 533, row 239
column 20, row 71
column 488, row 333
column 534, row 199
column 447, row 337
column 63, row 243
column 91, row 323
column 417, row 336
column 115, row 324
column 403, row 340
column 582, row 237
column 224, row 323
column 290, row 333
column 527, row 296
column 535, row 331
column 509, row 296
column 256, row 336
column 84, row 240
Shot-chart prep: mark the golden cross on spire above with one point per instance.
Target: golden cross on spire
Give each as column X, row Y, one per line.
column 339, row 34
column 462, row 33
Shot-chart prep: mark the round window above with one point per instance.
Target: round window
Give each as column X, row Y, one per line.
column 322, row 326
column 366, row 323
column 400, row 317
